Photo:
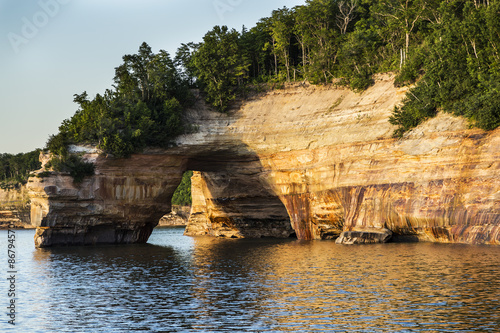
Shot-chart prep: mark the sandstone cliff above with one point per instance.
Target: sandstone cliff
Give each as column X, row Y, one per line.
column 317, row 162
column 14, row 208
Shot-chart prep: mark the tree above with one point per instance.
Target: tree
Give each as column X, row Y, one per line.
column 281, row 25
column 220, row 65
column 461, row 71
column 182, row 195
column 253, row 44
column 15, row 169
column 346, row 14
column 357, row 60
column 184, row 61
column 302, row 32
column 317, row 38
column 144, row 108
column 402, row 15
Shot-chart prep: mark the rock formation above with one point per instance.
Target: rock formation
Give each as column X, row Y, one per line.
column 14, row 208
column 317, row 162
column 178, row 217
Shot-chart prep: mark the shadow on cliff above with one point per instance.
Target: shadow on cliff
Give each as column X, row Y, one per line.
column 238, row 200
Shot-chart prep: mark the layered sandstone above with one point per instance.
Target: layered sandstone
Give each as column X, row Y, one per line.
column 14, row 208
column 121, row 203
column 236, row 206
column 315, row 161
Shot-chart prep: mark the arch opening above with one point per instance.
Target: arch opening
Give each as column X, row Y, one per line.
column 231, row 198
column 180, row 204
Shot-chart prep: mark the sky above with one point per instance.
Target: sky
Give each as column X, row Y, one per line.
column 53, row 49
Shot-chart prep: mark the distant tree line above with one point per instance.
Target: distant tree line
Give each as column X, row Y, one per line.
column 15, row 169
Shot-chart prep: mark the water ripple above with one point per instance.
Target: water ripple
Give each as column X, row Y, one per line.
column 182, row 284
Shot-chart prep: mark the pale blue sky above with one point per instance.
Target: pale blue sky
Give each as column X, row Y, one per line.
column 52, row 49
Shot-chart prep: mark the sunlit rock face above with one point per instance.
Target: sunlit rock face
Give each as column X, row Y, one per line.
column 315, row 162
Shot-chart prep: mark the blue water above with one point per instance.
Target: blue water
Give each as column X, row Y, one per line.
column 182, row 284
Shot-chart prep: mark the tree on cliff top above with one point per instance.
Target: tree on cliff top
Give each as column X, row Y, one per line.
column 144, row 108
column 448, row 49
column 459, row 64
column 220, row 65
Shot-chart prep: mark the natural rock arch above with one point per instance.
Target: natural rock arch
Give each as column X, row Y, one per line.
column 321, row 160
column 125, row 199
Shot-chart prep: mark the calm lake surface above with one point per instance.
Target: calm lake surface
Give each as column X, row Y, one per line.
column 182, row 284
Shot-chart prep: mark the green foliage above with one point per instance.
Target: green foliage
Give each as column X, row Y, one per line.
column 412, row 69
column 220, row 66
column 43, row 174
column 57, row 144
column 318, row 42
column 254, row 45
column 15, row 169
column 322, row 39
column 450, row 51
column 356, row 64
column 74, row 165
column 184, row 61
column 280, row 27
column 144, row 108
column 418, row 106
column 360, row 81
column 182, row 195
column 460, row 62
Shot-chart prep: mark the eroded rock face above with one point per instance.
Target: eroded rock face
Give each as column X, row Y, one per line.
column 14, row 208
column 178, row 217
column 318, row 162
column 122, row 203
column 365, row 236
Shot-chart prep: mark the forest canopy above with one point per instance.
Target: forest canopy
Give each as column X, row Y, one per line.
column 447, row 50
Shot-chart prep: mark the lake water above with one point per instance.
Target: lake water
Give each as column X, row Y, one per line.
column 182, row 284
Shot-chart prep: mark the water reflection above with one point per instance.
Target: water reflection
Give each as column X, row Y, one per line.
column 383, row 287
column 114, row 288
column 317, row 286
column 179, row 284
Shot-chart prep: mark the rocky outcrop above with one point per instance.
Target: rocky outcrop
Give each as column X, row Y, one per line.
column 122, row 203
column 364, row 236
column 317, row 162
column 14, row 208
column 178, row 217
